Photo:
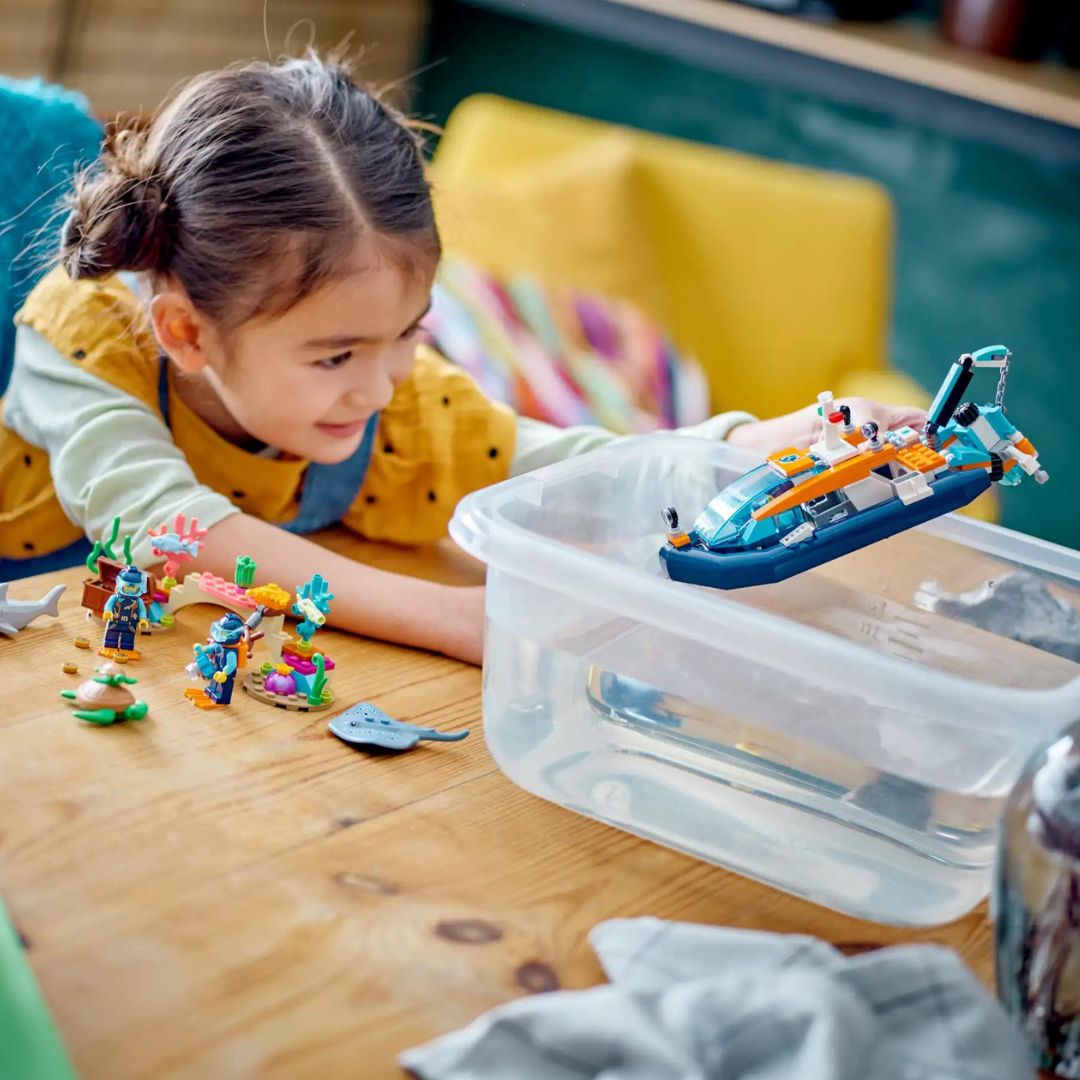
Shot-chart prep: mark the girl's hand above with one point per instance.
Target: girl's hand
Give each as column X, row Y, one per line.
column 803, row 427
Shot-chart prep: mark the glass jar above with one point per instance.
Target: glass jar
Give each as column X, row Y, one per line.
column 1036, row 906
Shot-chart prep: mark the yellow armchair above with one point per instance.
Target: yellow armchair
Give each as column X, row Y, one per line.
column 776, row 278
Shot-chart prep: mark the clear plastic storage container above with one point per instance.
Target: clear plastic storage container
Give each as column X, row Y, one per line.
column 848, row 735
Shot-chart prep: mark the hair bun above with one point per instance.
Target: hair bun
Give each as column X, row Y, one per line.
column 119, row 220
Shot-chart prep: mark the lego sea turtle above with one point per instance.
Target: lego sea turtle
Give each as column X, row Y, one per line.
column 105, row 698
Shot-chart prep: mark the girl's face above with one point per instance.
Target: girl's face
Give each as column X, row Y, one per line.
column 308, row 381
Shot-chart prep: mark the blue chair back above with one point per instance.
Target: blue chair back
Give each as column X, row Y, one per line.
column 46, row 134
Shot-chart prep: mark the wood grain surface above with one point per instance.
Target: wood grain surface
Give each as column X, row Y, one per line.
column 239, row 894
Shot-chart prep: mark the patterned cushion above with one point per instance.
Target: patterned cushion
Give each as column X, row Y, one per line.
column 561, row 355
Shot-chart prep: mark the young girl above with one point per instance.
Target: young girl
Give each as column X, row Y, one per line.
column 233, row 333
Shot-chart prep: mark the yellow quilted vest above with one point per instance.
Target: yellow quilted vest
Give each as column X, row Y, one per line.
column 438, row 439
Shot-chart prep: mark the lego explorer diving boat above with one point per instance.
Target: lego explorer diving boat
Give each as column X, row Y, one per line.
column 853, row 487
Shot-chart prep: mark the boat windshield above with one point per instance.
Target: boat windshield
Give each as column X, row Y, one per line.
column 736, row 495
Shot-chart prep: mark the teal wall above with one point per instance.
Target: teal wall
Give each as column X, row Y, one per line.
column 988, row 236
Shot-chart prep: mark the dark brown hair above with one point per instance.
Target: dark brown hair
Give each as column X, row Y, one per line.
column 252, row 187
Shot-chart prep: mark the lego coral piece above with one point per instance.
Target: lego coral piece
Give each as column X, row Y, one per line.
column 244, row 574
column 16, row 615
column 313, row 605
column 181, row 543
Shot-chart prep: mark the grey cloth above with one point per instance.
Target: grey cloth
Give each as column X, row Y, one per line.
column 689, row 1002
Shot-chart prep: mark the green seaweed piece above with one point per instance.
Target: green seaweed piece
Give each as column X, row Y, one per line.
column 244, row 576
column 92, row 558
column 318, row 683
column 113, row 535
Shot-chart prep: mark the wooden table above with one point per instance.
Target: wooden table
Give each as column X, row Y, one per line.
column 239, row 894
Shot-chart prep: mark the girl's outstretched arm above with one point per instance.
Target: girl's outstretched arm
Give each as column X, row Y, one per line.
column 376, row 603
column 111, row 455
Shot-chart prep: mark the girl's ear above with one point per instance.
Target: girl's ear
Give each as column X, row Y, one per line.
column 181, row 331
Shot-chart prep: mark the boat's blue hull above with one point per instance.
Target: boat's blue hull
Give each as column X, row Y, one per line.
column 763, row 566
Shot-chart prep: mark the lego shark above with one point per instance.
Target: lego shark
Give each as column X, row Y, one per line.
column 17, row 614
